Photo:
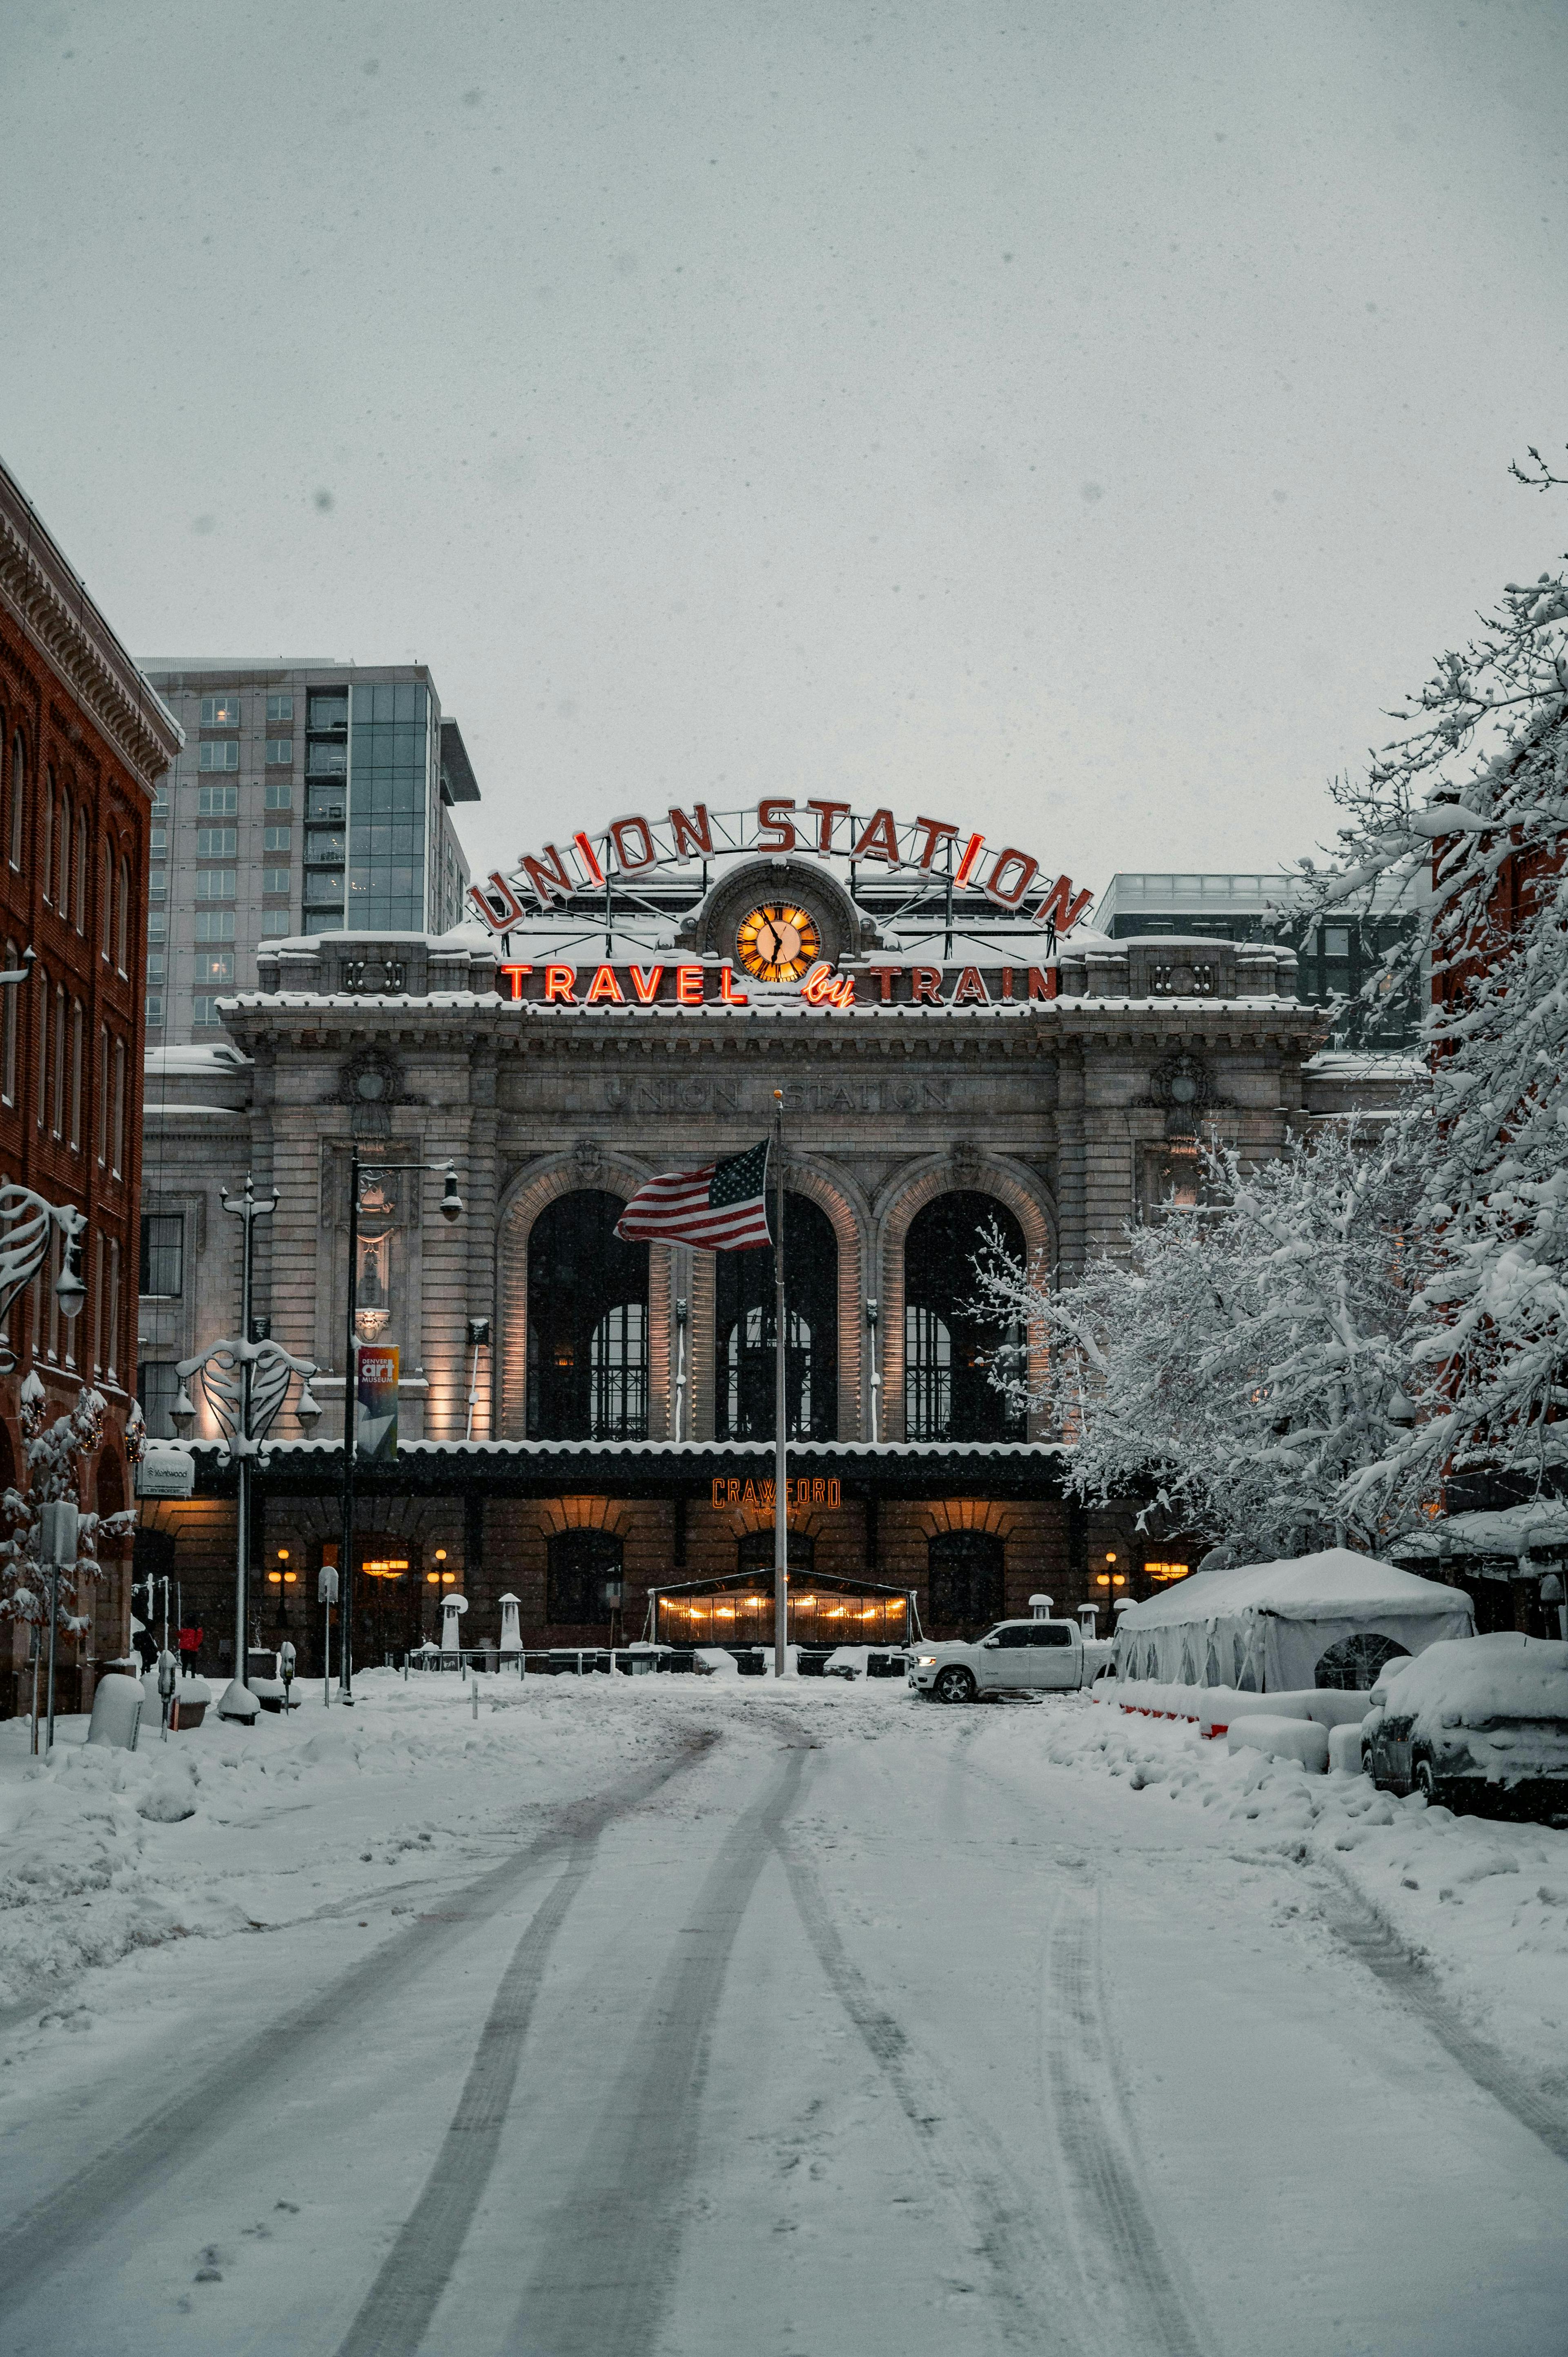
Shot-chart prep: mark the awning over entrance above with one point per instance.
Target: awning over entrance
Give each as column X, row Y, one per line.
column 822, row 1610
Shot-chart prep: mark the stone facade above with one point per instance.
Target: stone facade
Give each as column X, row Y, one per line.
column 1074, row 1112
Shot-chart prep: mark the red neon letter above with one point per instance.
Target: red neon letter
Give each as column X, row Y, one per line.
column 497, row 904
column 826, row 814
column 1007, row 896
column 880, row 840
column 971, row 850
column 1007, row 981
column 548, row 875
column 728, row 995
column 1042, row 986
column 688, row 985
column 885, row 974
column 774, row 833
column 642, row 852
column 604, row 985
column 935, row 830
column 558, row 981
column 691, row 834
column 514, row 974
column 970, row 987
column 647, row 984
column 589, row 858
column 925, row 986
column 1061, row 908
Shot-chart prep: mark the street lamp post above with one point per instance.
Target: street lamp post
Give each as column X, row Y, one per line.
column 245, row 1383
column 451, row 1209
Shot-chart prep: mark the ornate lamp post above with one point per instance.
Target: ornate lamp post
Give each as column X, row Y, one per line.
column 451, row 1207
column 245, row 1383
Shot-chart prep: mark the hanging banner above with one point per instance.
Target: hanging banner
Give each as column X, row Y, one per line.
column 376, row 1429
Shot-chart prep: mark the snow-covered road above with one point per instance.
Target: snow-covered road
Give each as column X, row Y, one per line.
column 659, row 2018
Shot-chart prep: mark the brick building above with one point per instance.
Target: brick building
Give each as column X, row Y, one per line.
column 83, row 741
column 626, row 1008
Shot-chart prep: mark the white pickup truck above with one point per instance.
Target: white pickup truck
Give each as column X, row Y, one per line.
column 1015, row 1657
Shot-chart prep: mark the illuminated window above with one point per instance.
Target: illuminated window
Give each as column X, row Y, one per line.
column 220, row 711
column 744, row 1331
column 587, row 1323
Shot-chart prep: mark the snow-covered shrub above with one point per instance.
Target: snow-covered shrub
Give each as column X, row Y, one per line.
column 1238, row 1366
column 55, row 1452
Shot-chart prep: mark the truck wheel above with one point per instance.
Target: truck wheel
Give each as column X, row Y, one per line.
column 955, row 1685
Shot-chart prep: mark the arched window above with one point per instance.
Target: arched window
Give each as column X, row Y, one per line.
column 76, row 1075
column 57, row 1106
column 19, row 798
column 745, row 1332
column 584, row 1575
column 965, row 1572
column 41, row 984
column 123, row 918
column 8, row 1042
column 47, row 836
column 587, row 1323
column 948, row 1349
column 82, row 833
column 106, row 900
column 62, row 858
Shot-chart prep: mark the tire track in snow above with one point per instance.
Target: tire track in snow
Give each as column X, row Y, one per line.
column 997, row 2215
column 400, row 2304
column 611, row 2248
column 1132, row 2290
column 1370, row 1938
column 135, row 2169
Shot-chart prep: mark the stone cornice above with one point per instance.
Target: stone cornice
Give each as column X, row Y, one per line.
column 56, row 616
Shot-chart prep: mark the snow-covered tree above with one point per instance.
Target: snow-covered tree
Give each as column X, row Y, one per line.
column 1470, row 807
column 54, row 1456
column 1236, row 1365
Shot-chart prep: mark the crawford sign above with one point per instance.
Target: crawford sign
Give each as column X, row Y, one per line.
column 923, row 850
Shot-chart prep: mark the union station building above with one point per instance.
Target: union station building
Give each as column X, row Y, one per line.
column 586, row 1425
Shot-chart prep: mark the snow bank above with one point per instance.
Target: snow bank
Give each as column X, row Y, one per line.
column 1283, row 1739
column 1482, row 1902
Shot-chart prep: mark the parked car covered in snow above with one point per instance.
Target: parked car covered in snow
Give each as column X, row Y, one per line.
column 1016, row 1656
column 1478, row 1723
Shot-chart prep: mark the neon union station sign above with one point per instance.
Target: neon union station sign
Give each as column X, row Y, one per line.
column 917, row 866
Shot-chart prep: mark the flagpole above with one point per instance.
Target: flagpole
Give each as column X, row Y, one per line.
column 780, row 1427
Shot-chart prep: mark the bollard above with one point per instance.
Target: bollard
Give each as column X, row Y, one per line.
column 474, row 1691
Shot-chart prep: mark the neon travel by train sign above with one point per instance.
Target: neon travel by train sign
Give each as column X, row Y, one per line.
column 921, row 851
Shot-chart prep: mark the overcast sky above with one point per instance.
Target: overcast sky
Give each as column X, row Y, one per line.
column 1080, row 422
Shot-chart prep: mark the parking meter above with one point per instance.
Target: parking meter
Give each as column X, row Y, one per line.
column 285, row 1669
column 326, row 1597
column 168, row 1677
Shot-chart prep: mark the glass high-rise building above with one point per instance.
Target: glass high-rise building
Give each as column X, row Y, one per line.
column 311, row 798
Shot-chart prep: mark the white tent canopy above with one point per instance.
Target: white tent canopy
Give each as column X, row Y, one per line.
column 1265, row 1626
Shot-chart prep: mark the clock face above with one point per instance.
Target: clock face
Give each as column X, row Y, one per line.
column 778, row 942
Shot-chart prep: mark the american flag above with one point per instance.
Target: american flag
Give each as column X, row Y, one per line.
column 723, row 1206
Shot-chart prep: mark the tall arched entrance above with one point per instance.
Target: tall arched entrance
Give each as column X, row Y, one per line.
column 587, row 1323
column 948, row 1349
column 746, row 1330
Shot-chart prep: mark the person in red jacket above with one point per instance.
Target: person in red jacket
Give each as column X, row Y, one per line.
column 189, row 1646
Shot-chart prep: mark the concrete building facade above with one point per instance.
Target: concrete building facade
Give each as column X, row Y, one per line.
column 308, row 796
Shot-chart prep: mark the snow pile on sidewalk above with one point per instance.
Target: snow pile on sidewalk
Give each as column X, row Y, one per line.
column 1483, row 1901
column 103, row 1851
